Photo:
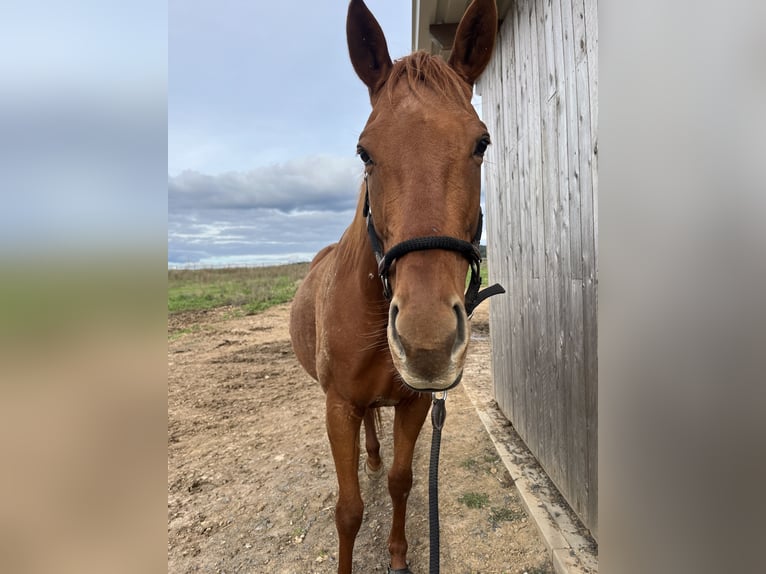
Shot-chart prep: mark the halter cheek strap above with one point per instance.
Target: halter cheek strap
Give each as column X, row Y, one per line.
column 473, row 296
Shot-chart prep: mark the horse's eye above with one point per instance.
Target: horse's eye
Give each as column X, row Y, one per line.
column 363, row 155
column 481, row 145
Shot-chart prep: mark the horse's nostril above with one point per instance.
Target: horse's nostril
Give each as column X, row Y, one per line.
column 461, row 330
column 392, row 314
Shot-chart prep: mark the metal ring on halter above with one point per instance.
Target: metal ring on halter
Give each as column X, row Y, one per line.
column 386, row 285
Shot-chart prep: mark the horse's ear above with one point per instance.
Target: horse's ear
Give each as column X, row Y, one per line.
column 474, row 40
column 367, row 46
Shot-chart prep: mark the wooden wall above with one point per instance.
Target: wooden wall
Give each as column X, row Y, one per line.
column 539, row 101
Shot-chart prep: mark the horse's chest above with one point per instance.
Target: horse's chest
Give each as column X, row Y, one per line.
column 384, row 402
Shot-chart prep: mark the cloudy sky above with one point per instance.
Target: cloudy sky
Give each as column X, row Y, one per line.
column 264, row 111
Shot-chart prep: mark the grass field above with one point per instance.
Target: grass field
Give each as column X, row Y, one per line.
column 251, row 289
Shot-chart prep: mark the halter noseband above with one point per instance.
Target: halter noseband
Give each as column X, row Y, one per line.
column 468, row 250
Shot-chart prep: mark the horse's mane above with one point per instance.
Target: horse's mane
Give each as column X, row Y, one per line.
column 422, row 71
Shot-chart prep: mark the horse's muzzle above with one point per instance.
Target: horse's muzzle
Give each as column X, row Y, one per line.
column 428, row 346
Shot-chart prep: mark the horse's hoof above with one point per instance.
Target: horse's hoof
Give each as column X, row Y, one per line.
column 375, row 474
column 405, row 570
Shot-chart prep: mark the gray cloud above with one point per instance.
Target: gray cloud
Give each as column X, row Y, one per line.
column 286, row 211
column 323, row 183
column 239, row 236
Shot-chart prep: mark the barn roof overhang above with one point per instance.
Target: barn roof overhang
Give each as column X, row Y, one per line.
column 434, row 23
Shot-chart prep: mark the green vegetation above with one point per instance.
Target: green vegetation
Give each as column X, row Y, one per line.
column 178, row 333
column 248, row 289
column 483, row 274
column 252, row 289
column 55, row 300
column 474, row 499
column 484, row 462
column 497, row 515
column 491, row 458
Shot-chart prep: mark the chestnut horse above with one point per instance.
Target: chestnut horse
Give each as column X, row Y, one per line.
column 370, row 345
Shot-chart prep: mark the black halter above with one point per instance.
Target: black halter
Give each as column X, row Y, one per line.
column 468, row 250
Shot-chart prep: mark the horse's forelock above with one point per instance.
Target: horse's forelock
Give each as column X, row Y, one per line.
column 422, row 71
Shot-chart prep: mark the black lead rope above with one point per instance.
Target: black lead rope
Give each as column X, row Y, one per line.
column 438, row 414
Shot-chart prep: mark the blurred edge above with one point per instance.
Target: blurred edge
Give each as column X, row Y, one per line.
column 83, row 174
column 682, row 403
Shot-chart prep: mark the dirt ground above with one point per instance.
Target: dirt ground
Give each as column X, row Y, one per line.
column 251, row 482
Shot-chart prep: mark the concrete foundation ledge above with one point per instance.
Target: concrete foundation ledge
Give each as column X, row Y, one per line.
column 572, row 549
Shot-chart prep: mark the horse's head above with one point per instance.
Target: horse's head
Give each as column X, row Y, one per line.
column 422, row 148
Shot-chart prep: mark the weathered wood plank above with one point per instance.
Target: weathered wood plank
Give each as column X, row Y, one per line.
column 587, row 221
column 591, row 34
column 570, row 258
column 531, row 275
column 494, row 167
column 522, row 340
column 501, row 314
column 511, row 131
column 533, row 136
column 578, row 447
column 551, row 214
column 572, row 136
column 501, row 145
column 561, row 249
column 538, row 324
column 586, row 226
column 530, row 244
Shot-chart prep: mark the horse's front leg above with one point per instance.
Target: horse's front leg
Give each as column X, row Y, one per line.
column 343, row 423
column 374, row 465
column 408, row 420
